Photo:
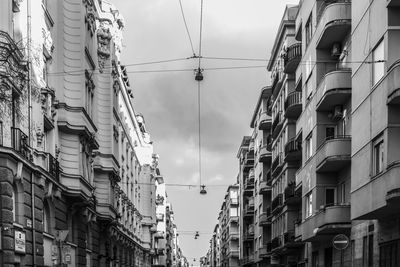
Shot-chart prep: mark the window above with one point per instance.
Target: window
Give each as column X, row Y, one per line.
column 329, row 196
column 371, row 250
column 309, row 205
column 365, row 251
column 378, row 68
column 308, row 146
column 46, row 218
column 315, row 261
column 233, row 212
column 309, row 29
column 15, row 203
column 378, row 155
column 329, row 132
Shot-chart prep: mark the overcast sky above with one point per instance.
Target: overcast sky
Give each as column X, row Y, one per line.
column 154, row 30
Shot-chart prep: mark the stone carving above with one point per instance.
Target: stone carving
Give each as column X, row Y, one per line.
column 103, row 43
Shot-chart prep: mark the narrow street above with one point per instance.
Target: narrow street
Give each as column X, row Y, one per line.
column 179, row 133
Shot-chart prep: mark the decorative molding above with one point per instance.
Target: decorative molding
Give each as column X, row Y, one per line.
column 103, row 43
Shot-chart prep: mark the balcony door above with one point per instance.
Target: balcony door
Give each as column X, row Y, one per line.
column 328, row 257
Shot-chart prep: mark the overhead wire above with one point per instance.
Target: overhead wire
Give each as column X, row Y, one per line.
column 186, row 27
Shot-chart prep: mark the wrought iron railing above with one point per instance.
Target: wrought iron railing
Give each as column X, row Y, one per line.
column 19, row 142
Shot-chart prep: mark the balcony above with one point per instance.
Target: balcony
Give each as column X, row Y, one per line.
column 248, row 210
column 277, row 204
column 292, row 58
column 247, row 260
column 264, row 188
column 233, row 253
column 392, row 83
column 276, row 243
column 265, row 250
column 334, row 22
column 249, row 159
column 328, row 221
column 249, row 184
column 265, row 155
column 159, row 251
column 277, row 124
column 293, row 105
column 291, row 196
column 264, row 121
column 334, row 90
column 19, row 142
column 293, row 150
column 277, row 164
column 53, row 167
column 249, row 233
column 334, row 154
column 265, row 218
column 159, row 235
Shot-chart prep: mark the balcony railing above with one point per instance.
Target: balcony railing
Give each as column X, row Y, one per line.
column 265, row 154
column 277, row 203
column 334, row 154
column 53, row 166
column 276, row 242
column 276, row 122
column 277, row 164
column 19, row 142
column 293, row 105
column 292, row 58
column 265, row 218
column 293, row 150
column 264, row 188
column 246, row 260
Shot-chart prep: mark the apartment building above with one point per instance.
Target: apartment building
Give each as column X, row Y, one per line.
column 78, row 174
column 261, row 125
column 324, row 128
column 224, row 244
column 286, row 106
column 375, row 136
column 246, row 201
column 229, row 223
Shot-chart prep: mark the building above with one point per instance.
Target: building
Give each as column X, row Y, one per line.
column 324, row 128
column 286, row 107
column 246, row 201
column 261, row 125
column 230, row 228
column 375, row 136
column 77, row 171
column 224, row 244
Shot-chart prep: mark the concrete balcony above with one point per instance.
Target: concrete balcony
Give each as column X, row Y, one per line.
column 334, row 154
column 249, row 184
column 392, row 83
column 292, row 197
column 293, row 105
column 249, row 160
column 327, row 222
column 298, row 230
column 248, row 210
column 380, row 197
column 276, row 243
column 334, row 90
column 265, row 122
column 264, row 188
column 264, row 219
column 292, row 58
column 265, row 155
column 265, row 250
column 334, row 22
column 293, row 150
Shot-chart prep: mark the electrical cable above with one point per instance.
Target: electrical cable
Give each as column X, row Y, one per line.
column 201, row 31
column 186, row 26
column 199, row 121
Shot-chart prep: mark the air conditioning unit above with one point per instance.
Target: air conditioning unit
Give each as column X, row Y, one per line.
column 336, row 50
column 337, row 113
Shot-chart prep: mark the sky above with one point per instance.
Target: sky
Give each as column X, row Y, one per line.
column 154, row 31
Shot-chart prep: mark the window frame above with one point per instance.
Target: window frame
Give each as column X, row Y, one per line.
column 376, row 77
column 378, row 155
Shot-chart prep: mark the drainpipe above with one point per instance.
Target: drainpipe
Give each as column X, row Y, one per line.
column 29, row 44
column 33, row 220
